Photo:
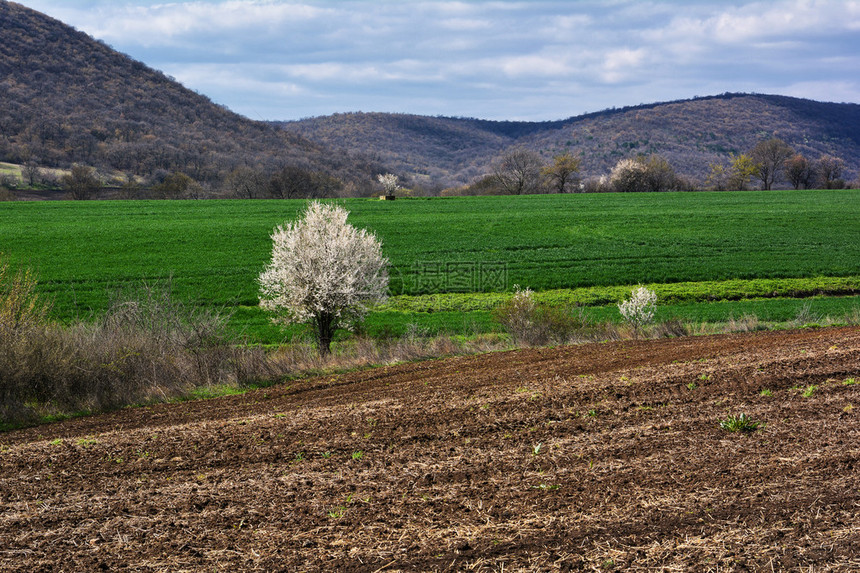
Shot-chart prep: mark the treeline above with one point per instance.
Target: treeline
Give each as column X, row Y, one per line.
column 84, row 182
column 770, row 163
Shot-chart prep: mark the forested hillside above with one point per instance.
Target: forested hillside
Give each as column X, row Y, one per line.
column 67, row 98
column 690, row 134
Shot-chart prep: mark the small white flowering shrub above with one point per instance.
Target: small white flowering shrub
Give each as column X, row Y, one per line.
column 638, row 310
column 520, row 311
column 629, row 175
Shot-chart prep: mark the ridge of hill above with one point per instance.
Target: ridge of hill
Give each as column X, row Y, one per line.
column 66, row 97
column 691, row 134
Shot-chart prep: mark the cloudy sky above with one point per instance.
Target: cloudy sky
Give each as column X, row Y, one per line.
column 526, row 60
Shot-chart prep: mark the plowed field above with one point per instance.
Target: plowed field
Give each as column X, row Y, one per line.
column 597, row 457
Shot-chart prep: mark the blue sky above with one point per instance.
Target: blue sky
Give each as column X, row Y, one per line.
column 538, row 60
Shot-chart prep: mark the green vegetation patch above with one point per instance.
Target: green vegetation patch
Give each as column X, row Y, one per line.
column 573, row 248
column 10, row 169
column 705, row 291
column 255, row 325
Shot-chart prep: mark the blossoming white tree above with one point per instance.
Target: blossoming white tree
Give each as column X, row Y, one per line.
column 390, row 183
column 638, row 310
column 324, row 271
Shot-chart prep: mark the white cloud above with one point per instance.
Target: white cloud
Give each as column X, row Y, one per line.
column 465, row 24
column 753, row 22
column 532, row 65
column 169, row 22
column 242, row 78
column 623, row 64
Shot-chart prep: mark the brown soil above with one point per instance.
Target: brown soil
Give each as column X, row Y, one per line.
column 597, row 457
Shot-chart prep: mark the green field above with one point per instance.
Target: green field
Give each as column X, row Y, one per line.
column 10, row 170
column 212, row 251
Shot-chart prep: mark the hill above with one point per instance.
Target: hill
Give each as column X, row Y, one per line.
column 691, row 134
column 607, row 456
column 66, row 98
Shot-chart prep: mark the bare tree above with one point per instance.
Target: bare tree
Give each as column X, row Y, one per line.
column 518, row 172
column 829, row 171
column 131, row 188
column 323, row 271
column 246, row 183
column 81, row 182
column 660, row 174
column 31, row 173
column 770, row 157
column 176, row 185
column 564, row 172
column 326, row 185
column 799, row 171
column 292, row 182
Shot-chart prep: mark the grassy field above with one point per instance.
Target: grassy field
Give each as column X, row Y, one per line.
column 212, row 251
column 10, row 170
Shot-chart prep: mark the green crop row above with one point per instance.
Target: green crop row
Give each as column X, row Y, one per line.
column 212, row 251
column 735, row 289
column 255, row 325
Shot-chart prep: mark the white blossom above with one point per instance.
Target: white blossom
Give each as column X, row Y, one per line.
column 323, row 270
column 389, row 183
column 639, row 309
column 522, row 309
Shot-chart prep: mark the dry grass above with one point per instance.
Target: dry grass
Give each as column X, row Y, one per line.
column 146, row 347
column 363, row 351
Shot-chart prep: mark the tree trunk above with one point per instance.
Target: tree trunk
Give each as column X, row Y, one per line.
column 324, row 325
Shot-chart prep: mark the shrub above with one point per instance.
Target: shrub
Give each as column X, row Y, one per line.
column 20, row 305
column 518, row 314
column 672, row 328
column 746, row 323
column 22, row 319
column 8, row 181
column 629, row 175
column 642, row 173
column 536, row 324
column 805, row 316
column 638, row 310
column 148, row 346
